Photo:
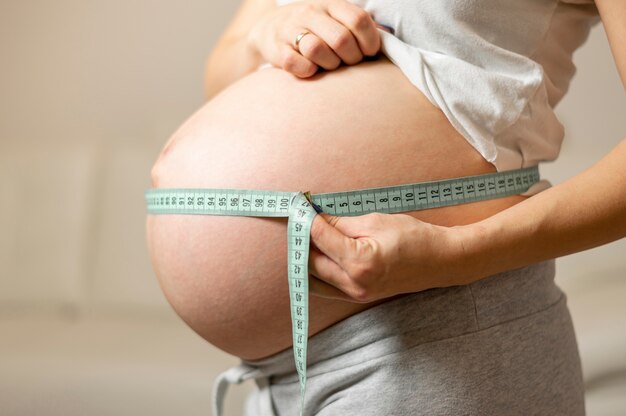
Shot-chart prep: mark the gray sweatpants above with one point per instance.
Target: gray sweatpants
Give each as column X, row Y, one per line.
column 503, row 345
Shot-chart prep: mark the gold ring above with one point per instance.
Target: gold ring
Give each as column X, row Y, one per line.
column 299, row 38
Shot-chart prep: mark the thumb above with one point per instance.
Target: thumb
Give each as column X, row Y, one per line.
column 328, row 238
column 349, row 226
column 330, row 219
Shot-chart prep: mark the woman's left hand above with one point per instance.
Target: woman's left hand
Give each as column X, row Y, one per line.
column 375, row 256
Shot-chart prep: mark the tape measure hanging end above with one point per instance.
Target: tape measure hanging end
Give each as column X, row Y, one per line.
column 301, row 216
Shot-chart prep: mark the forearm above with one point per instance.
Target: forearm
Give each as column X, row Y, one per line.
column 230, row 60
column 585, row 211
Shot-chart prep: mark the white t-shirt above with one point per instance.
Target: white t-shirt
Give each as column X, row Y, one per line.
column 496, row 68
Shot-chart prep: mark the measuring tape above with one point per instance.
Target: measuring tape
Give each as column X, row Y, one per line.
column 301, row 208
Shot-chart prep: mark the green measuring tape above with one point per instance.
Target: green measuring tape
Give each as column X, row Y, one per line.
column 301, row 209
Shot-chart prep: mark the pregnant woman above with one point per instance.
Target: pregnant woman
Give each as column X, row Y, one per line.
column 446, row 311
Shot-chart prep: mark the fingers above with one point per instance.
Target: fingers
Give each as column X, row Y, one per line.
column 294, row 62
column 345, row 257
column 359, row 23
column 332, row 281
column 321, row 265
column 339, row 31
column 358, row 226
column 333, row 38
column 316, row 49
column 324, row 290
column 330, row 240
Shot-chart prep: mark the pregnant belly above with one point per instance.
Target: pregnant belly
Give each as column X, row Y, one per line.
column 356, row 127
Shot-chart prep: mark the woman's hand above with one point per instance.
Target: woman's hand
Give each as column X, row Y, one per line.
column 339, row 31
column 375, row 256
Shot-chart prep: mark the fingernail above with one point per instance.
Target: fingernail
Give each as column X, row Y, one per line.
column 385, row 28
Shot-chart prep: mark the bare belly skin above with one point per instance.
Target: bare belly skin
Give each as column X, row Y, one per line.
column 356, row 127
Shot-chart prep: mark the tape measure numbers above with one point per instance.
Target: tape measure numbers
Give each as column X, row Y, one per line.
column 301, row 208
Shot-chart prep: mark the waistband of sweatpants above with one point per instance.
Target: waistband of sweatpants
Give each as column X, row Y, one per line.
column 420, row 317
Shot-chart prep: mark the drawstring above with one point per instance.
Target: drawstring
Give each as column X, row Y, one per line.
column 237, row 375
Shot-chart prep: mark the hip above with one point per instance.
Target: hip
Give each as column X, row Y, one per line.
column 505, row 346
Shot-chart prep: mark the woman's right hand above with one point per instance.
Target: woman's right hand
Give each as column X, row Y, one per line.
column 339, row 32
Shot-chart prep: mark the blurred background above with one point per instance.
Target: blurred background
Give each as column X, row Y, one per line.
column 89, row 92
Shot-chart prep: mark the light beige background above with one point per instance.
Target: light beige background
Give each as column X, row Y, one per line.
column 89, row 92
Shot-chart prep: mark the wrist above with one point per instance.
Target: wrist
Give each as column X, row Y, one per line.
column 445, row 254
column 469, row 252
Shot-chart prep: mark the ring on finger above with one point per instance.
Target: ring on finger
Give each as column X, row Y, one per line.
column 299, row 38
